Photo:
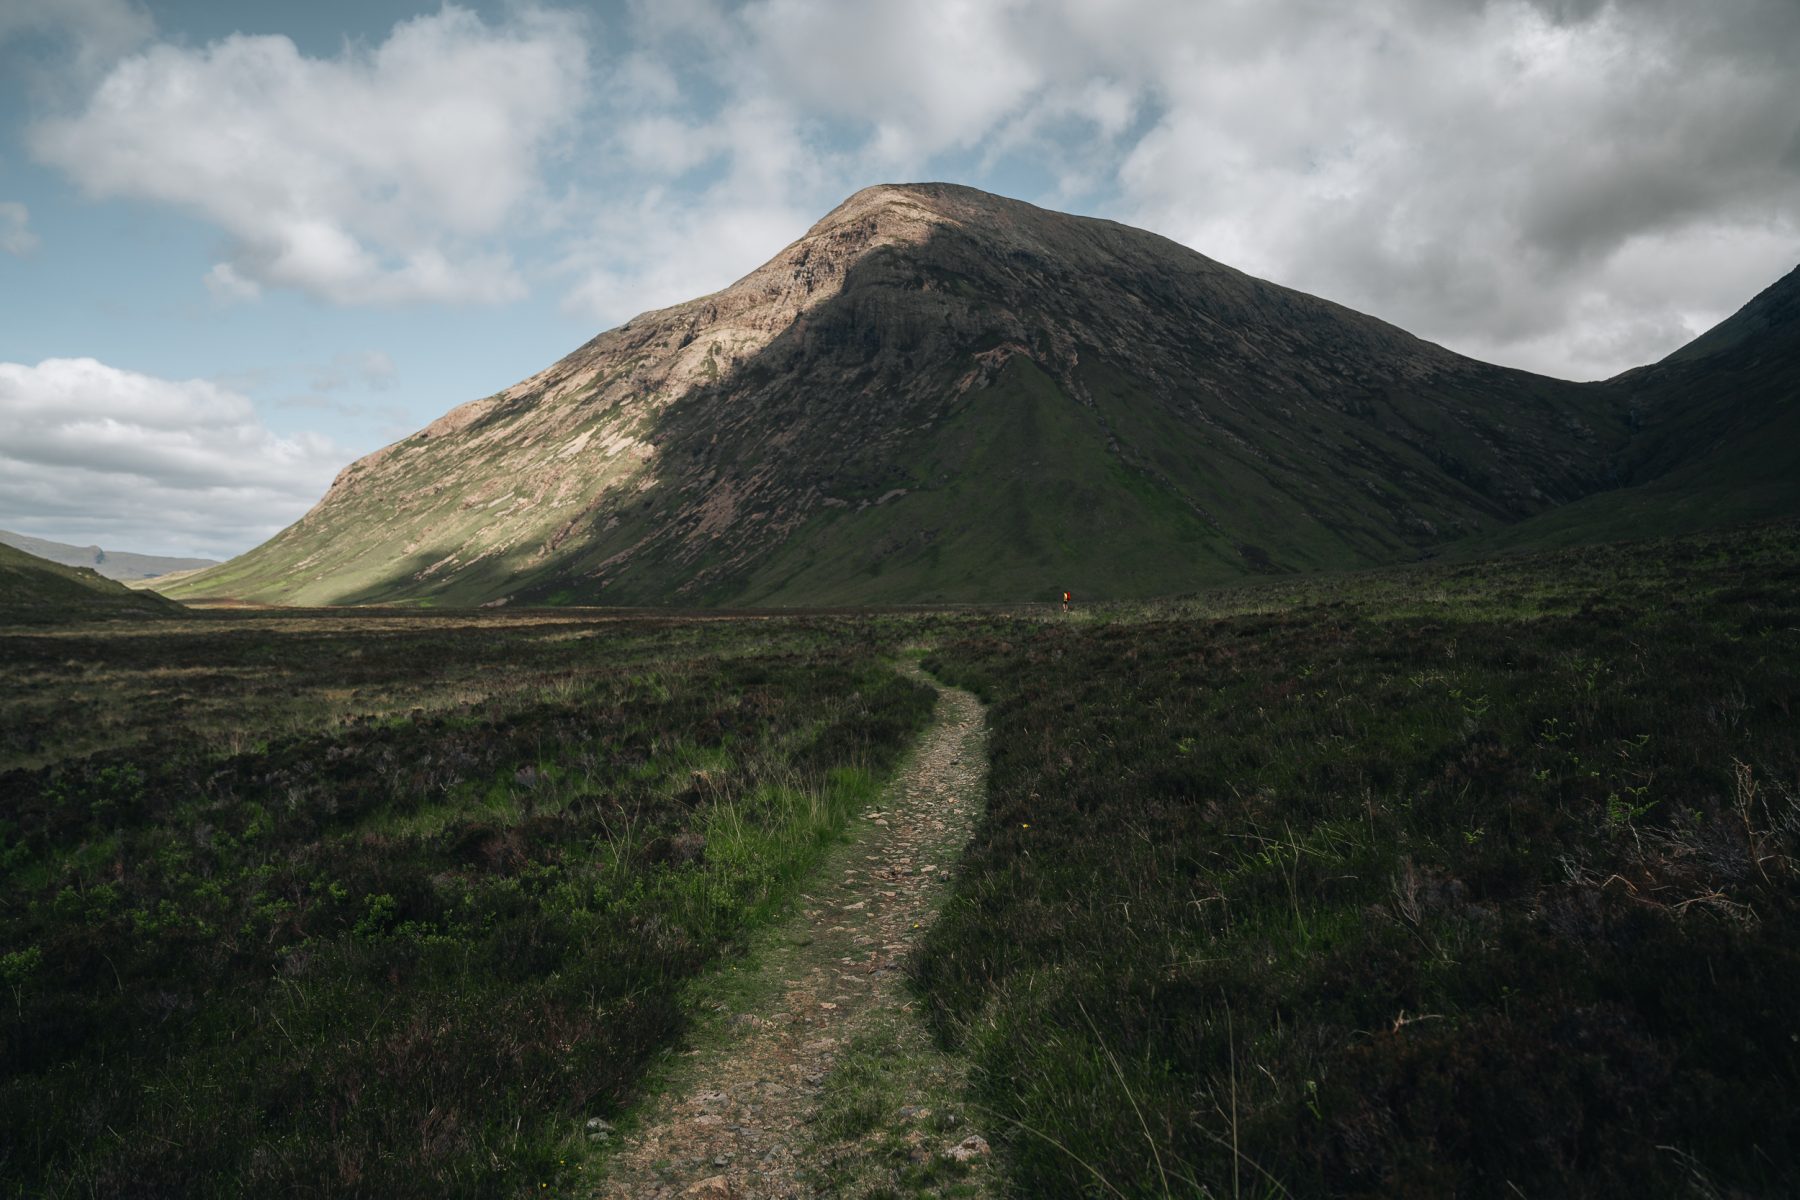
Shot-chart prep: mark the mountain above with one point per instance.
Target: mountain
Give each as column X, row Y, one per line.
column 36, row 591
column 938, row 394
column 1716, row 434
column 112, row 564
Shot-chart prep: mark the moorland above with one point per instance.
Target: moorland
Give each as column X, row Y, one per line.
column 1463, row 878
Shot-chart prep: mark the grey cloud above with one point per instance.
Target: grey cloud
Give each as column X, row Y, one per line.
column 16, row 237
column 1502, row 176
column 89, row 452
column 1570, row 12
column 1495, row 169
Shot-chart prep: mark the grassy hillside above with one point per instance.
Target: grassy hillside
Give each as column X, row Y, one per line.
column 35, row 591
column 1026, row 489
column 1014, row 499
column 1716, row 436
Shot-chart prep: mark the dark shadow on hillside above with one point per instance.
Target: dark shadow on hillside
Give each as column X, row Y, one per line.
column 867, row 453
column 1304, row 435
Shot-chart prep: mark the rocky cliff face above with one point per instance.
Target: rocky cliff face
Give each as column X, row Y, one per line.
column 938, row 394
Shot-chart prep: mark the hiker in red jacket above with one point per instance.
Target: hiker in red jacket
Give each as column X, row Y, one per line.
column 1065, row 601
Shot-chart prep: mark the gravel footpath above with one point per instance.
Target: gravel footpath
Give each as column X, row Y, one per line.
column 741, row 1115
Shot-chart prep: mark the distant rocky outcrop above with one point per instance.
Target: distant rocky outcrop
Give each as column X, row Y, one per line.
column 110, row 564
column 938, row 394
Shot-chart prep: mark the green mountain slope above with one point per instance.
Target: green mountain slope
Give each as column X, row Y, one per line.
column 1716, row 435
column 35, row 591
column 938, row 394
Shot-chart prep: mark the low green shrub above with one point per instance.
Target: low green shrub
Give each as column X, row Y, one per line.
column 1472, row 880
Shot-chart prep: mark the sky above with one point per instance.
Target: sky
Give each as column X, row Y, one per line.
column 243, row 242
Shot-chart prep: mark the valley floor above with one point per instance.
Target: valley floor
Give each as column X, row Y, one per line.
column 1470, row 879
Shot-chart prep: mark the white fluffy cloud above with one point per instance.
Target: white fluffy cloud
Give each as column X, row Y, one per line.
column 1503, row 176
column 1498, row 175
column 15, row 229
column 1490, row 175
column 382, row 175
column 662, row 250
column 89, row 452
column 659, row 243
column 923, row 76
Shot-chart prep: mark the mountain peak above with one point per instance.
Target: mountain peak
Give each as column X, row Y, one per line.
column 940, row 394
column 915, row 213
column 905, row 202
column 932, row 202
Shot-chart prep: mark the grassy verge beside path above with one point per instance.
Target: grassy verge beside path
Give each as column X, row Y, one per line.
column 406, row 954
column 811, row 1073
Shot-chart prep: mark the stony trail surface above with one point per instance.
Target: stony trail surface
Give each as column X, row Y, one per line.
column 821, row 1080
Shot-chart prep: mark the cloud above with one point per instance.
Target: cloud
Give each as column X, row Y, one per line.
column 87, row 35
column 1477, row 174
column 654, row 242
column 92, row 453
column 662, row 250
column 371, row 369
column 16, row 237
column 384, row 175
column 731, row 130
column 925, row 76
column 735, row 128
column 1490, row 174
column 229, row 287
column 1496, row 175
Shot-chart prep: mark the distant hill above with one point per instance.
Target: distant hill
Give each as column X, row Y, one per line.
column 36, row 591
column 113, row 564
